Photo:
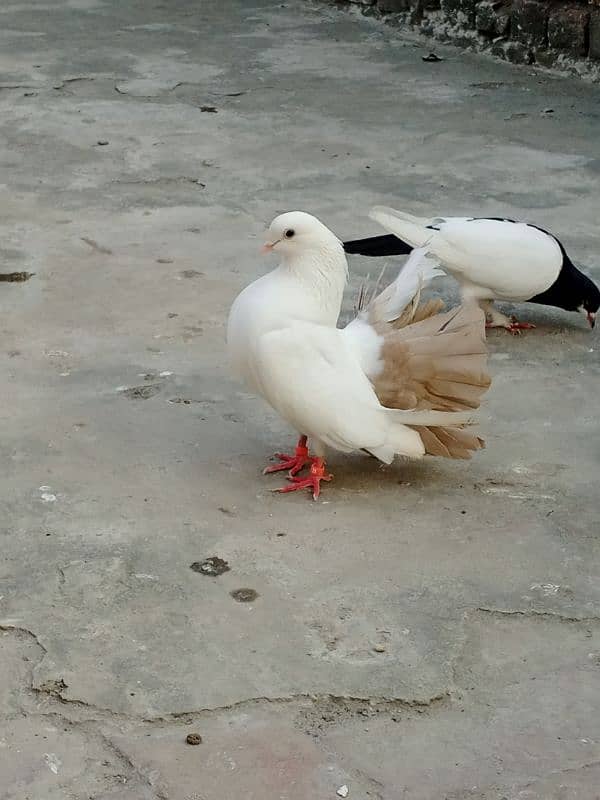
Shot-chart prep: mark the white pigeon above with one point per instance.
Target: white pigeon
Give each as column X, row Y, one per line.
column 492, row 259
column 327, row 383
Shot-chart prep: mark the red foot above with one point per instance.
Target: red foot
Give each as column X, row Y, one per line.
column 313, row 481
column 292, row 463
column 516, row 327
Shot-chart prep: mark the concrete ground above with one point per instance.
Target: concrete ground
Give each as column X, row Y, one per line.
column 426, row 631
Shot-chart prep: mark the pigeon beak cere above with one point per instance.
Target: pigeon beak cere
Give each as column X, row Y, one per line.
column 268, row 247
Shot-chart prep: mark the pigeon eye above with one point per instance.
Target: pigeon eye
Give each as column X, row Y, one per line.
column 289, row 233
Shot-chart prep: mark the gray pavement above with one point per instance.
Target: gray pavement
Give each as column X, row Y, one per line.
column 426, row 631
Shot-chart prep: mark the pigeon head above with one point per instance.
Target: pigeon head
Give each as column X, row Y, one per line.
column 296, row 233
column 572, row 291
column 581, row 294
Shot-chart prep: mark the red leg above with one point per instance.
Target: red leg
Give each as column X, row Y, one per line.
column 513, row 326
column 312, row 481
column 516, row 327
column 292, row 463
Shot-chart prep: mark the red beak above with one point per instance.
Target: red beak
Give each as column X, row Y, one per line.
column 591, row 317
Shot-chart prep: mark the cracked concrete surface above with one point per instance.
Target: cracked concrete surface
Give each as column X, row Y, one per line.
column 428, row 630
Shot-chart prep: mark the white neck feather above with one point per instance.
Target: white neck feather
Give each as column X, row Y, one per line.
column 322, row 272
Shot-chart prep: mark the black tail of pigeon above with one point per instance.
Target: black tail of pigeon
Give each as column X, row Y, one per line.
column 377, row 246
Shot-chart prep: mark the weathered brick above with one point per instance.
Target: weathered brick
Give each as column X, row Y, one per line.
column 492, row 18
column 418, row 8
column 460, row 11
column 393, row 6
column 567, row 30
column 502, row 22
column 594, row 50
column 513, row 51
column 529, row 22
column 485, row 17
column 547, row 58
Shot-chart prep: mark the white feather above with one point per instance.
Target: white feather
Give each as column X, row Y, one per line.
column 492, row 259
column 283, row 341
column 366, row 343
column 412, row 278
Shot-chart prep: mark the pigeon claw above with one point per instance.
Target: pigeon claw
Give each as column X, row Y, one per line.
column 312, row 481
column 293, row 464
column 515, row 327
column 512, row 325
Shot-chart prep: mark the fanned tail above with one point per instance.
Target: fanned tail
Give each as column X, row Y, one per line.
column 437, row 364
column 428, row 368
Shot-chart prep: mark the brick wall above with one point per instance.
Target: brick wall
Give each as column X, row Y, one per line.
column 559, row 33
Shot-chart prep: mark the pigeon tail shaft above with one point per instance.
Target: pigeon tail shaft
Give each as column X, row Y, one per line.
column 378, row 246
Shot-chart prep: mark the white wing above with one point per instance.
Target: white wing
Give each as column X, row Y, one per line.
column 310, row 376
column 416, row 273
column 388, row 306
column 515, row 261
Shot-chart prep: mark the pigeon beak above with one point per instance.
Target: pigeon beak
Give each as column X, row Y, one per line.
column 591, row 318
column 268, row 247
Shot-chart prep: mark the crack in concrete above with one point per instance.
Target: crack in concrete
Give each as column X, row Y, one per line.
column 91, row 727
column 382, row 703
column 129, row 764
column 578, row 768
column 95, row 246
column 533, row 613
column 61, row 577
column 25, row 632
column 53, row 690
column 132, row 96
column 17, row 86
column 157, row 181
column 557, row 772
column 376, row 788
column 67, row 81
column 350, row 705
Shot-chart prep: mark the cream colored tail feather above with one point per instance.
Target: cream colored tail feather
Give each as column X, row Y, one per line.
column 437, row 363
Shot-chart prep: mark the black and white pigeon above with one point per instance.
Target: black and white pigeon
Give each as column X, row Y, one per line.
column 492, row 258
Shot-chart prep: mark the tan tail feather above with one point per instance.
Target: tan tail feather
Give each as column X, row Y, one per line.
column 449, row 442
column 413, row 313
column 438, row 362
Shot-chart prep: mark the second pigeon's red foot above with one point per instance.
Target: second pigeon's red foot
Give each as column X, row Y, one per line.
column 312, row 481
column 292, row 463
